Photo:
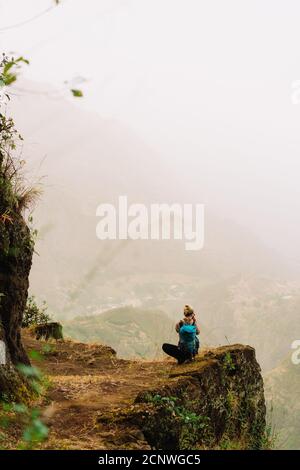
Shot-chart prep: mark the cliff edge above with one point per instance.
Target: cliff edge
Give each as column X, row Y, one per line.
column 97, row 401
column 215, row 402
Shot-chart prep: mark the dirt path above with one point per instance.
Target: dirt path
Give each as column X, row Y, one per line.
column 85, row 382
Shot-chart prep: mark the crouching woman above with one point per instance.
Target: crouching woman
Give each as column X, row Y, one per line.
column 188, row 343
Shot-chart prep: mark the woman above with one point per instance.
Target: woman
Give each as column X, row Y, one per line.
column 188, row 342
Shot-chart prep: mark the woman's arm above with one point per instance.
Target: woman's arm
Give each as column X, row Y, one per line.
column 197, row 328
column 178, row 326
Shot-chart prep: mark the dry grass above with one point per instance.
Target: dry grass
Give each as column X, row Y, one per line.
column 87, row 381
column 28, row 197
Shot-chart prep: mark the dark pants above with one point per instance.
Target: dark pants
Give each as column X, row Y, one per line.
column 174, row 351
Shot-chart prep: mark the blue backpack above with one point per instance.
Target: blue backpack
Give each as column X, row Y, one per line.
column 187, row 335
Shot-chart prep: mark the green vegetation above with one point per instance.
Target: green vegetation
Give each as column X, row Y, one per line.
column 189, row 423
column 187, row 417
column 228, row 362
column 179, row 424
column 15, row 194
column 77, row 93
column 9, row 70
column 31, row 430
column 34, row 315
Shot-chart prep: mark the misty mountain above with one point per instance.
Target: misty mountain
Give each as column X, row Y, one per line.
column 282, row 389
column 84, row 161
column 133, row 333
column 242, row 290
column 259, row 311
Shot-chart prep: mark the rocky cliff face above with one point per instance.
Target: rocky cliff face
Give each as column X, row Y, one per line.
column 216, row 402
column 15, row 263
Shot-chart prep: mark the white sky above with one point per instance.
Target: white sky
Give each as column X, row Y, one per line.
column 207, row 82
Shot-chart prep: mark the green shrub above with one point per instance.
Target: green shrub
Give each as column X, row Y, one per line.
column 33, row 314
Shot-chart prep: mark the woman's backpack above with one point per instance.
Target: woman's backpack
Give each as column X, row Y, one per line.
column 187, row 335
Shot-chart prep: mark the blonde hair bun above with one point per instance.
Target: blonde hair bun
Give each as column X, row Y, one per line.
column 188, row 310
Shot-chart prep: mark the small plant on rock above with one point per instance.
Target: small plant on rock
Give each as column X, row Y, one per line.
column 35, row 315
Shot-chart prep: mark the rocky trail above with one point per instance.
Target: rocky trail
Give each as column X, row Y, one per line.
column 85, row 381
column 95, row 400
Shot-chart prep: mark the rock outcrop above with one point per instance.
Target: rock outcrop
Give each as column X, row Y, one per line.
column 16, row 250
column 217, row 402
column 15, row 263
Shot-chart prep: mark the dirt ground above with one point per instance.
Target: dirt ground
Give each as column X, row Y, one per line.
column 86, row 381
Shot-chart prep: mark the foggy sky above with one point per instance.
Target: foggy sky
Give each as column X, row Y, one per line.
column 207, row 83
